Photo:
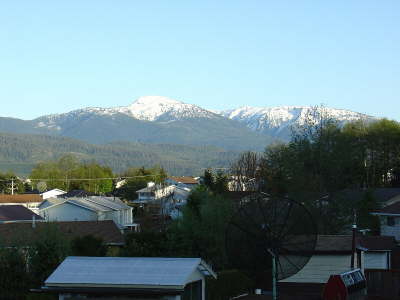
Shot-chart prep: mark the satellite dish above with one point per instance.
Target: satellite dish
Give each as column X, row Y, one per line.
column 270, row 236
column 41, row 186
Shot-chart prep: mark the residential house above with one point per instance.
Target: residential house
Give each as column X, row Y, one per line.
column 182, row 181
column 95, row 208
column 133, row 277
column 179, row 200
column 52, row 194
column 181, row 194
column 30, row 201
column 163, row 200
column 332, row 256
column 17, row 214
column 107, row 231
column 389, row 217
column 153, row 192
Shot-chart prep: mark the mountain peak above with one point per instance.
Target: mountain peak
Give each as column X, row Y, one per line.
column 155, row 100
column 160, row 108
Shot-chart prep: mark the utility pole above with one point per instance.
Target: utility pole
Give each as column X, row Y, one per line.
column 12, row 186
column 353, row 242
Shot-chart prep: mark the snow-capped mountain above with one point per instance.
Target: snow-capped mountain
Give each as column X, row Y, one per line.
column 150, row 119
column 278, row 121
column 161, row 120
column 148, row 108
column 158, row 108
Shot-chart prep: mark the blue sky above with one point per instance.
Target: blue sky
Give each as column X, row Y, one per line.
column 56, row 56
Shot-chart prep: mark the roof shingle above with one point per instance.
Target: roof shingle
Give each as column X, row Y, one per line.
column 106, row 230
column 15, row 213
column 184, row 179
column 21, row 198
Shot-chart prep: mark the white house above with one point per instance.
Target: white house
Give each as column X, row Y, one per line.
column 92, row 208
column 389, row 217
column 333, row 256
column 52, row 194
column 143, row 277
column 30, row 201
column 153, row 192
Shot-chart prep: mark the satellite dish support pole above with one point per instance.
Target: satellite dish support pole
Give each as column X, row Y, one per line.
column 274, row 294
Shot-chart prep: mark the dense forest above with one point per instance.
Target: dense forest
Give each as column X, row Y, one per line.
column 20, row 153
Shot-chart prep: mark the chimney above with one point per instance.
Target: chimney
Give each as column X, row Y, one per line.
column 150, row 184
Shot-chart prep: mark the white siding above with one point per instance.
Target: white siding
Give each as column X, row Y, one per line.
column 68, row 212
column 196, row 276
column 52, row 194
column 390, row 230
column 320, row 267
column 375, row 260
column 122, row 217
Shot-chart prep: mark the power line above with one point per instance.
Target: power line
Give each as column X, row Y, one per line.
column 82, row 179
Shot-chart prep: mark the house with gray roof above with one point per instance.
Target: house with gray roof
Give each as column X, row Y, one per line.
column 389, row 217
column 133, row 277
column 94, row 208
column 17, row 214
column 332, row 256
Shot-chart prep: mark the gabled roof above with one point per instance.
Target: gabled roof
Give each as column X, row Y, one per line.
column 376, row 243
column 111, row 202
column 184, row 179
column 343, row 243
column 127, row 272
column 381, row 195
column 95, row 203
column 17, row 213
column 20, row 198
column 392, row 209
column 333, row 243
column 108, row 231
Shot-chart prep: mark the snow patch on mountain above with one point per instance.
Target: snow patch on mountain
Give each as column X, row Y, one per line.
column 148, row 108
column 158, row 108
column 282, row 118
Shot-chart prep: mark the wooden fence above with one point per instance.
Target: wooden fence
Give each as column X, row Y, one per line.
column 384, row 284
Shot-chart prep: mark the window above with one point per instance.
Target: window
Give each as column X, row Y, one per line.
column 391, row 221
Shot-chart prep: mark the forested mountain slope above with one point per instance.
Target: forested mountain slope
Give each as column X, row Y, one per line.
column 19, row 152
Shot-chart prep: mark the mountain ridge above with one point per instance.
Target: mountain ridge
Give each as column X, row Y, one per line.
column 158, row 119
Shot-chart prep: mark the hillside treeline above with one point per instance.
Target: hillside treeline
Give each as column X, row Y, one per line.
column 333, row 169
column 20, row 153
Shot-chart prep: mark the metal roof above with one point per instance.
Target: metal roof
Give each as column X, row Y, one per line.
column 143, row 272
column 111, row 202
column 98, row 204
column 89, row 205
